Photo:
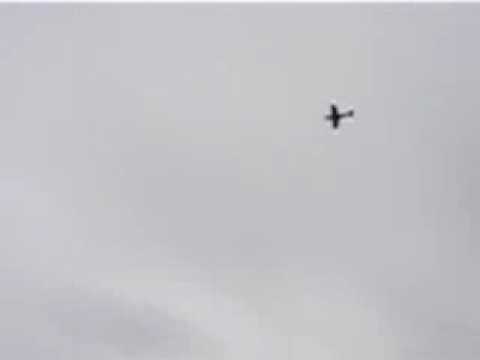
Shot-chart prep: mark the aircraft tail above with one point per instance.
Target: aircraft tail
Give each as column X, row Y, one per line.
column 350, row 113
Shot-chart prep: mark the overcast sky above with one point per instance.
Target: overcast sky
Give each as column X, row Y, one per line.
column 170, row 190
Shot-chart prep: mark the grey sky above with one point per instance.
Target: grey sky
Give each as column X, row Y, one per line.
column 169, row 189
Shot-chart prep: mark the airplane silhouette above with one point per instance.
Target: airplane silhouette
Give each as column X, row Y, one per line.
column 335, row 116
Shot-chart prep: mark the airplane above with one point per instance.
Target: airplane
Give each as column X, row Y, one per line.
column 335, row 116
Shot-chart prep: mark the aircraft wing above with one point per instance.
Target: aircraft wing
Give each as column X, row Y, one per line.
column 333, row 110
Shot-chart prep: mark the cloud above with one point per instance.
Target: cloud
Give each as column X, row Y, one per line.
column 68, row 322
